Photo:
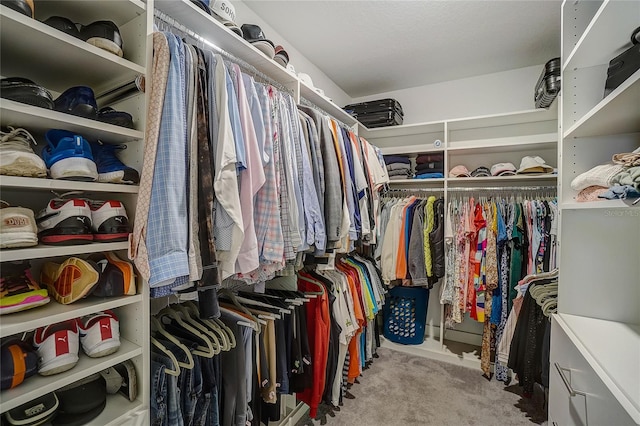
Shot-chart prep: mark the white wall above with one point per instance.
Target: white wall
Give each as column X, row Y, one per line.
column 244, row 15
column 496, row 93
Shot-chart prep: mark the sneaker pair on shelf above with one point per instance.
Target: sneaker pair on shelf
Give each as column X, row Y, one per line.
column 63, row 222
column 67, row 221
column 67, row 156
column 102, row 34
column 102, row 275
column 58, row 344
column 71, row 156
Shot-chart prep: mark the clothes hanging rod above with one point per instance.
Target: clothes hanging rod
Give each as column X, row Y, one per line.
column 308, row 103
column 415, row 190
column 503, row 188
column 198, row 38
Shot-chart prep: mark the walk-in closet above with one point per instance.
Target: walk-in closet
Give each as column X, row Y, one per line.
column 298, row 213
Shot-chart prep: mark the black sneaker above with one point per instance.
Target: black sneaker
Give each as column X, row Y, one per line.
column 26, row 91
column 63, row 24
column 78, row 100
column 103, row 34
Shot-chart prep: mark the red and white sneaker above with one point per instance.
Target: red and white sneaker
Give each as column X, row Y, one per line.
column 57, row 347
column 100, row 334
column 65, row 222
column 109, row 221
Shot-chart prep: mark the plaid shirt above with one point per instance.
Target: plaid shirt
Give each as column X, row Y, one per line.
column 167, row 231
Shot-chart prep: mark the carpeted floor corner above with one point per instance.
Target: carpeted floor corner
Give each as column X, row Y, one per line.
column 401, row 389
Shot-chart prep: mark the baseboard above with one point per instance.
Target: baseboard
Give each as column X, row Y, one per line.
column 458, row 336
column 468, row 356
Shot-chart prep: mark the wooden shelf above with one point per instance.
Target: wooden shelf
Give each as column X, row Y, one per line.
column 326, row 104
column 194, row 18
column 603, row 205
column 606, row 36
column 508, row 144
column 85, row 12
column 406, row 130
column 412, row 149
column 62, row 61
column 421, row 182
column 41, row 251
column 511, row 179
column 616, row 114
column 612, row 349
column 54, row 312
column 64, row 185
column 40, row 120
column 36, row 386
column 495, row 120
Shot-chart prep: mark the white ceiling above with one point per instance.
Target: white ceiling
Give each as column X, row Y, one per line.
column 369, row 47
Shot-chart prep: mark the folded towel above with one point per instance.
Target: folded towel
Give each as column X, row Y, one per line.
column 430, row 176
column 398, row 166
column 399, row 177
column 628, row 176
column 388, row 159
column 599, row 176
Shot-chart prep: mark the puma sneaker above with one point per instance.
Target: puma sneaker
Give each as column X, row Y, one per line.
column 16, row 155
column 17, row 227
column 57, row 347
column 65, row 222
column 99, row 334
column 70, row 281
column 109, row 221
column 18, row 290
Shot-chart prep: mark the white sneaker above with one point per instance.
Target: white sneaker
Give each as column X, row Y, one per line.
column 16, row 155
column 65, row 221
column 57, row 347
column 100, row 334
column 109, row 221
column 17, row 227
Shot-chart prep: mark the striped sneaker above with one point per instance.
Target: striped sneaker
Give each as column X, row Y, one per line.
column 18, row 290
column 57, row 347
column 99, row 334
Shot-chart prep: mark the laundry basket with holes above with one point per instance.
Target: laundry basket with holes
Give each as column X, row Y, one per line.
column 405, row 315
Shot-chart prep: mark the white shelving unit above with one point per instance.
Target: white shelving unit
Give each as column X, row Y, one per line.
column 31, row 49
column 595, row 339
column 472, row 142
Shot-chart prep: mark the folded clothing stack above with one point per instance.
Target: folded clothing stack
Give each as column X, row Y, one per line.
column 430, row 166
column 618, row 179
column 398, row 166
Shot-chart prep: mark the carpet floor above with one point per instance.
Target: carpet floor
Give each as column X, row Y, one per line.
column 402, row 389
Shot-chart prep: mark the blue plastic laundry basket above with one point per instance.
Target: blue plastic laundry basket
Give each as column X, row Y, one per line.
column 405, row 315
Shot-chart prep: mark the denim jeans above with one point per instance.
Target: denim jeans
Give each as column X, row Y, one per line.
column 190, row 382
column 206, row 413
column 174, row 411
column 158, row 394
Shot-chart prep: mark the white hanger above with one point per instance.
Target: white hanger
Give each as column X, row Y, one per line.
column 199, row 326
column 175, row 371
column 205, row 351
column 156, row 325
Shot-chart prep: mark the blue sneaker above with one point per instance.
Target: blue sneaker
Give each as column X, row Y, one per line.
column 68, row 156
column 78, row 100
column 110, row 168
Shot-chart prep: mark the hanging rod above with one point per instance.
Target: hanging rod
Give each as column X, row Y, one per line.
column 308, row 103
column 503, row 188
column 242, row 63
column 414, row 190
